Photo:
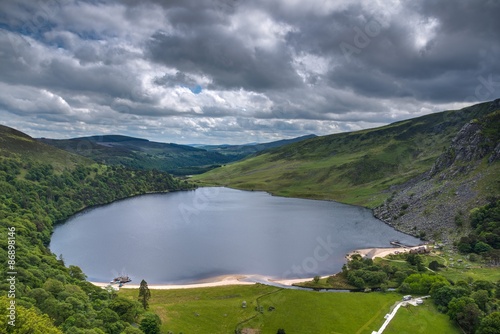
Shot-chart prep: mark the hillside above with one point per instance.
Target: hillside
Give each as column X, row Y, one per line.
column 366, row 167
column 42, row 186
column 144, row 154
column 141, row 153
column 467, row 174
column 14, row 142
column 237, row 152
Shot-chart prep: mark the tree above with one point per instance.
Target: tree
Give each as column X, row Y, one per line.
column 482, row 247
column 469, row 317
column 422, row 283
column 125, row 308
column 77, row 273
column 457, row 306
column 445, row 294
column 144, row 294
column 481, row 298
column 413, row 259
column 490, row 324
column 281, row 331
column 132, row 330
column 434, row 265
column 150, row 324
column 27, row 320
column 465, row 312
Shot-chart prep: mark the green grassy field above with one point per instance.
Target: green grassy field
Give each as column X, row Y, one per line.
column 318, row 312
column 203, row 310
column 422, row 319
column 219, row 310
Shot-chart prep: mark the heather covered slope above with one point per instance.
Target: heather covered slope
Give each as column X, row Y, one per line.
column 169, row 157
column 14, row 142
column 141, row 153
column 422, row 175
column 357, row 167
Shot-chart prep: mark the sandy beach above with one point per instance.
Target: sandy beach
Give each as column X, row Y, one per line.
column 253, row 279
column 217, row 281
column 373, row 253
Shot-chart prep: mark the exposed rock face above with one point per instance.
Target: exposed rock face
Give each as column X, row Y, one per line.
column 436, row 203
column 465, row 147
column 495, row 156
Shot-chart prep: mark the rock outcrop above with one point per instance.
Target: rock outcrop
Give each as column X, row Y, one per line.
column 435, row 204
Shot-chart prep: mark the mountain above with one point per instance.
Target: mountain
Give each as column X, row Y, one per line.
column 14, row 142
column 141, row 153
column 144, row 154
column 237, row 152
column 467, row 174
column 371, row 167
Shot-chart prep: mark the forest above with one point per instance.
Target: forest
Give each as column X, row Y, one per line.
column 39, row 293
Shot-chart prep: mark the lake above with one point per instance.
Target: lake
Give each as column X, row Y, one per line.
column 187, row 236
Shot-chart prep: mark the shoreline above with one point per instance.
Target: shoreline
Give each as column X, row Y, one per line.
column 226, row 280
column 216, row 281
column 382, row 252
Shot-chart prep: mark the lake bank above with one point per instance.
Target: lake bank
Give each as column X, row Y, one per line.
column 373, row 253
column 227, row 280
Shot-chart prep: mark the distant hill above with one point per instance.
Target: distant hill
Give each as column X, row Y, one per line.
column 141, row 153
column 372, row 166
column 144, row 154
column 14, row 142
column 237, row 152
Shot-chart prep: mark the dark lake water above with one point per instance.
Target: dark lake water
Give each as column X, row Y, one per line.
column 193, row 235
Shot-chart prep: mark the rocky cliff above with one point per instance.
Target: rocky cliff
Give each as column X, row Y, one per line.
column 435, row 205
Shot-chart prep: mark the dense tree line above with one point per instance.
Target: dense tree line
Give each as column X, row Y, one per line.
column 364, row 273
column 50, row 297
column 485, row 238
column 473, row 305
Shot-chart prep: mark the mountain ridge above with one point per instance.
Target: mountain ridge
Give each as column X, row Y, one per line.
column 365, row 167
column 142, row 153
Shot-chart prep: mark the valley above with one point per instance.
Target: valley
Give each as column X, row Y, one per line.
column 434, row 177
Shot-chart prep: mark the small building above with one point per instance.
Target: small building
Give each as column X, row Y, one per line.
column 419, row 250
column 407, row 297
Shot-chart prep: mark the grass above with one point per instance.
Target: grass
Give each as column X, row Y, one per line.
column 355, row 168
column 314, row 312
column 203, row 310
column 457, row 274
column 422, row 319
column 219, row 310
column 15, row 143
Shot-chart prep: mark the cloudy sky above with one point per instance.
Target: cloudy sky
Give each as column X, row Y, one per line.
column 235, row 71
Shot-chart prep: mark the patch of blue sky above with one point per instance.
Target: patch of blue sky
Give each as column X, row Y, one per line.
column 196, row 89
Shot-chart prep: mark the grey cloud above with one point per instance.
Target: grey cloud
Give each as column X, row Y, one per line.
column 226, row 59
column 177, row 79
column 125, row 65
